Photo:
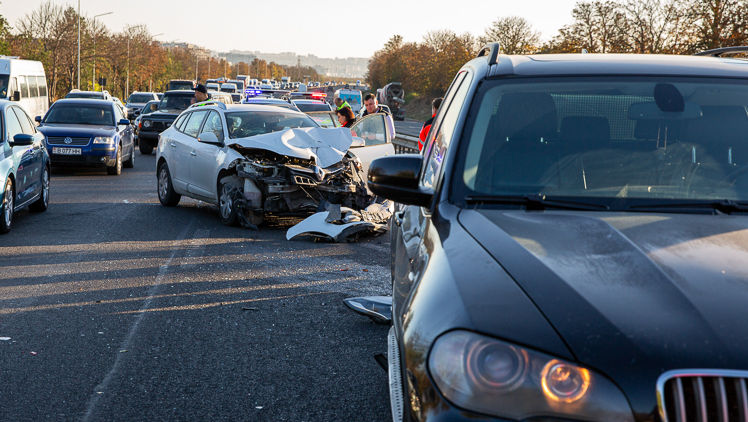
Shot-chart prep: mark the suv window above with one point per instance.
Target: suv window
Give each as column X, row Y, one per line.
column 192, row 127
column 444, row 127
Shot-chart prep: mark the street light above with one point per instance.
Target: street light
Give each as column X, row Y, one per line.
column 93, row 78
column 79, row 44
column 150, row 81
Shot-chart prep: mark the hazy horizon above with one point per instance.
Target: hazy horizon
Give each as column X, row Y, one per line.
column 355, row 32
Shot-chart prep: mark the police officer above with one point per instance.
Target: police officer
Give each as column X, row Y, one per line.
column 201, row 94
column 339, row 103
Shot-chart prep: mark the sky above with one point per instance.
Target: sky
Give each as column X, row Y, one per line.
column 323, row 28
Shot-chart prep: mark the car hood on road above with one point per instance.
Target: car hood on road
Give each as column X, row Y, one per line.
column 631, row 295
column 325, row 146
column 75, row 130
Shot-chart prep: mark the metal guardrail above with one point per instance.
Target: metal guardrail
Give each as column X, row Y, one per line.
column 405, row 144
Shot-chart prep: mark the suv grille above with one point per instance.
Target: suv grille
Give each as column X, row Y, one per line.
column 60, row 140
column 703, row 395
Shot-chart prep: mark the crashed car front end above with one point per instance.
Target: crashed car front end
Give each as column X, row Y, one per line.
column 277, row 184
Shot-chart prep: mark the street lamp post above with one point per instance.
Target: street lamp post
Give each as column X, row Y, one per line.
column 127, row 83
column 93, row 77
column 150, row 81
column 79, row 44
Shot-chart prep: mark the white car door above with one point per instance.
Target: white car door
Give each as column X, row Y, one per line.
column 377, row 136
column 204, row 165
column 185, row 147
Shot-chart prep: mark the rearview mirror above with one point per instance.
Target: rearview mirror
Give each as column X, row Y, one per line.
column 123, row 122
column 22, row 139
column 208, row 138
column 396, row 178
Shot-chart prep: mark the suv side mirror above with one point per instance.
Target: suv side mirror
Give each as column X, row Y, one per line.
column 22, row 139
column 396, row 178
column 123, row 122
column 209, row 138
column 16, row 95
column 38, row 119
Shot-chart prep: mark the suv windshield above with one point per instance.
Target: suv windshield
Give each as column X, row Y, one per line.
column 140, row 98
column 307, row 107
column 175, row 102
column 619, row 138
column 86, row 94
column 250, row 123
column 80, row 114
column 175, row 85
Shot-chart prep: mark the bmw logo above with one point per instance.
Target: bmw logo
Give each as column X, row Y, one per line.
column 68, row 140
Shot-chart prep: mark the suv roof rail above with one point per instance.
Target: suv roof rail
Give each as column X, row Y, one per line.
column 718, row 52
column 220, row 105
column 492, row 51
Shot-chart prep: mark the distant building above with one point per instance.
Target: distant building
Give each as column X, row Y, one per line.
column 347, row 67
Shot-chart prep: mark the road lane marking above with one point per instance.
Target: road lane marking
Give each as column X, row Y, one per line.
column 97, row 393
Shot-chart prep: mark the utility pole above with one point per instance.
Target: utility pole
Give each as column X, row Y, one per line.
column 79, row 44
column 197, row 61
column 93, row 77
column 127, row 84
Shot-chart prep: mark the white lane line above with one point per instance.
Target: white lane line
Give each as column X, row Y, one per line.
column 125, row 345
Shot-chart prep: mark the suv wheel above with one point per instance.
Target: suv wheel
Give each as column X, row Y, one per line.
column 42, row 203
column 6, row 209
column 145, row 147
column 226, row 208
column 116, row 169
column 166, row 194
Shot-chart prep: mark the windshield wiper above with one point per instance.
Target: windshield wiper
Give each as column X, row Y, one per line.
column 535, row 202
column 725, row 206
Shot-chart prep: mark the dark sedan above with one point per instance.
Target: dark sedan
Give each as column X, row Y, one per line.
column 575, row 245
column 88, row 133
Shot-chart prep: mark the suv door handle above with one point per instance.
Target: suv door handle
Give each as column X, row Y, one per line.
column 399, row 218
column 172, row 144
column 193, row 153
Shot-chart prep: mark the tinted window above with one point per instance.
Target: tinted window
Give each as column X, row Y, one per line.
column 140, row 98
column 12, row 124
column 180, row 85
column 250, row 123
column 213, row 124
column 175, row 102
column 307, row 107
column 437, row 148
column 26, row 125
column 608, row 137
column 83, row 94
column 193, row 125
column 4, row 82
column 80, row 114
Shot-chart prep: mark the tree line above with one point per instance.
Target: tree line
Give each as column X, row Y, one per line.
column 625, row 26
column 129, row 60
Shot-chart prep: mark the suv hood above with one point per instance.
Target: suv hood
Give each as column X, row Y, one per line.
column 632, row 295
column 325, row 146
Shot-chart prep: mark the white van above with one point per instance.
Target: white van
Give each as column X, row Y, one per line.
column 24, row 81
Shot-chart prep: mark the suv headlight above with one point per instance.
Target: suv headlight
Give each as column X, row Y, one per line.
column 147, row 123
column 489, row 376
column 107, row 140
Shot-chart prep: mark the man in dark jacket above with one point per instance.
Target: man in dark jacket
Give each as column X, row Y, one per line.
column 427, row 124
column 371, row 106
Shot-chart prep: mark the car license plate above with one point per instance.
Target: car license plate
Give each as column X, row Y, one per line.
column 66, row 151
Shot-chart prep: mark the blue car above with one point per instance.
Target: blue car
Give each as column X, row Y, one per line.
column 24, row 165
column 88, row 133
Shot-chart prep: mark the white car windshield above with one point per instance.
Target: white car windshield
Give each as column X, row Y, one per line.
column 243, row 124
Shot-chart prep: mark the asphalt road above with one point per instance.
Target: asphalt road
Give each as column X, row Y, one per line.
column 114, row 308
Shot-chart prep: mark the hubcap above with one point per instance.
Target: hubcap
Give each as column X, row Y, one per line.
column 8, row 214
column 226, row 202
column 163, row 180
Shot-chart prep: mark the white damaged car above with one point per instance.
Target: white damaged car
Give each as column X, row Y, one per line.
column 254, row 160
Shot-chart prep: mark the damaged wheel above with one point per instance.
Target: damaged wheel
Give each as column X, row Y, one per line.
column 226, row 206
column 166, row 194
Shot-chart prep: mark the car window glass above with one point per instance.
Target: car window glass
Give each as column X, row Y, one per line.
column 192, row 127
column 42, row 82
column 24, row 88
column 33, row 90
column 181, row 120
column 213, row 124
column 443, row 134
column 12, row 124
column 26, row 125
column 372, row 129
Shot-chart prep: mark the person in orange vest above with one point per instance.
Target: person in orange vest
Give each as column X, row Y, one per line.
column 427, row 124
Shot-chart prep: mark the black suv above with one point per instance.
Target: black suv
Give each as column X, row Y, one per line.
column 575, row 243
column 150, row 126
